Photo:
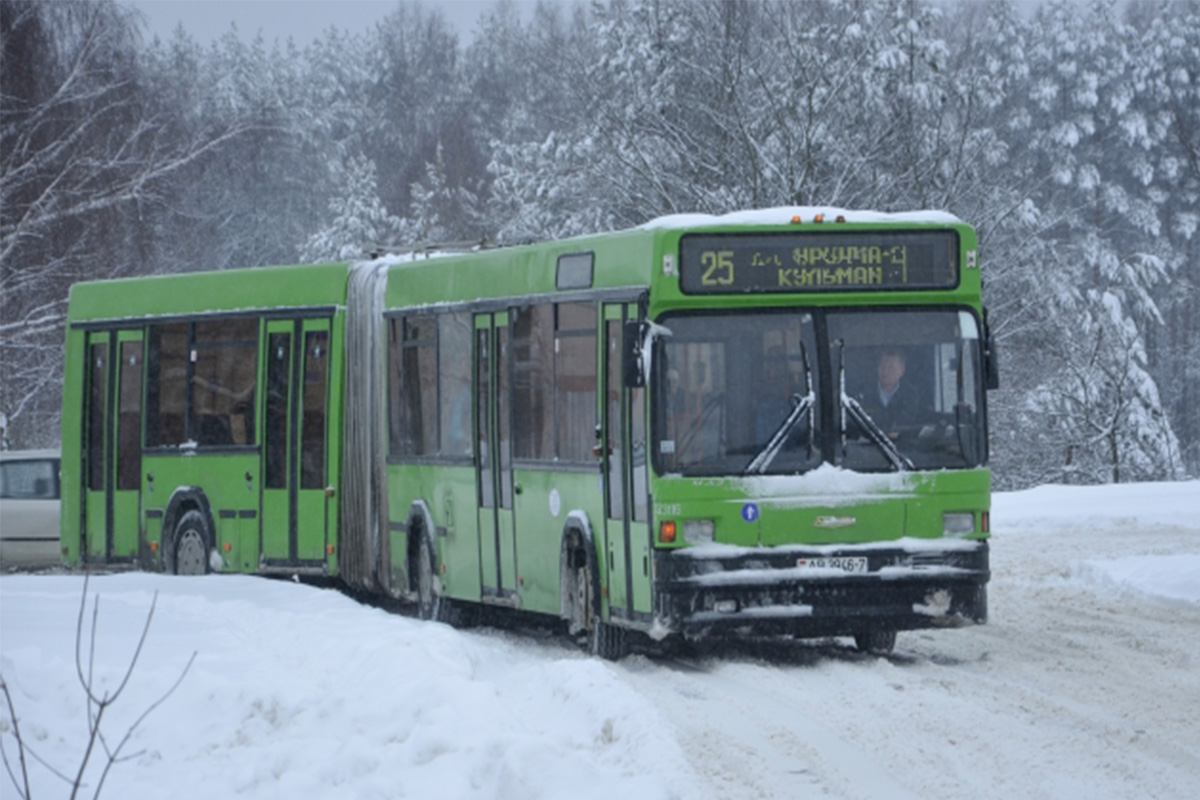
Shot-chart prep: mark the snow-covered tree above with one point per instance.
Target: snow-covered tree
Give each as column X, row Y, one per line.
column 359, row 218
column 84, row 160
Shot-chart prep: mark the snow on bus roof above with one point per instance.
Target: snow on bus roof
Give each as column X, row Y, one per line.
column 784, row 214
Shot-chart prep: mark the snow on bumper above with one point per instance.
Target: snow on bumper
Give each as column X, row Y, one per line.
column 906, row 584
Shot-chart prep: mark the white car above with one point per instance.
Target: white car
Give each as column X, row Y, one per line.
column 29, row 508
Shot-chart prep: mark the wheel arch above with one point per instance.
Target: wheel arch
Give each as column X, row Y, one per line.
column 577, row 538
column 183, row 500
column 420, row 524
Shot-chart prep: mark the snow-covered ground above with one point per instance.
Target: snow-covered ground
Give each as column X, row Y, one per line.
column 1085, row 683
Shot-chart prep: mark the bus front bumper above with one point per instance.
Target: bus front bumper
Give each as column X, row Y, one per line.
column 807, row 591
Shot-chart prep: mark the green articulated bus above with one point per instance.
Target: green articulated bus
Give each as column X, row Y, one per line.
column 771, row 422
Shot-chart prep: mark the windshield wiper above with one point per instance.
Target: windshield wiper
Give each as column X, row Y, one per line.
column 855, row 411
column 801, row 406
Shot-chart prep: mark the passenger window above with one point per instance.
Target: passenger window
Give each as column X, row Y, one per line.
column 575, row 381
column 166, row 384
column 454, row 383
column 413, row 386
column 312, row 433
column 533, row 382
column 225, row 373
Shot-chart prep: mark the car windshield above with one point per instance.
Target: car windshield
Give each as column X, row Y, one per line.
column 752, row 393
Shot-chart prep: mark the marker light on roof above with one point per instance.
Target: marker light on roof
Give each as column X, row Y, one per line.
column 819, row 218
column 841, row 218
column 796, row 220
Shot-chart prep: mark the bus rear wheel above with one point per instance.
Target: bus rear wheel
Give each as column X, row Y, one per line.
column 191, row 544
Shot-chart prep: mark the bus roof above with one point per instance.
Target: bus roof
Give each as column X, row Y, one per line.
column 622, row 259
column 260, row 288
column 781, row 215
column 628, row 259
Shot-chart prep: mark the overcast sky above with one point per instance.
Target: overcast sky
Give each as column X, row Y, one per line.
column 302, row 20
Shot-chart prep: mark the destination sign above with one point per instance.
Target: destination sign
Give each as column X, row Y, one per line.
column 813, row 261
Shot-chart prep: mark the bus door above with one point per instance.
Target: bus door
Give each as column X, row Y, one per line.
column 493, row 460
column 295, row 520
column 113, row 452
column 622, row 449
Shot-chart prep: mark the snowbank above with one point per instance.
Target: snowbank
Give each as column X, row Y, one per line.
column 1047, row 510
column 1083, row 683
column 1117, row 504
column 301, row 692
column 1168, row 577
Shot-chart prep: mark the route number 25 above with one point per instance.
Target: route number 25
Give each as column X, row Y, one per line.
column 718, row 267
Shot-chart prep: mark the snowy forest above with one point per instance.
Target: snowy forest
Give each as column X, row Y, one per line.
column 1067, row 133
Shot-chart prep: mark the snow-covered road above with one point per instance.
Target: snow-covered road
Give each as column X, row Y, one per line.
column 1085, row 683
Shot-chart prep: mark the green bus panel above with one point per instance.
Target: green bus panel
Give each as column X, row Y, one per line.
column 233, row 500
column 449, row 491
column 545, row 491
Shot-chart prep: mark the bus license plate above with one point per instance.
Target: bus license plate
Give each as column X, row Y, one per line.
column 844, row 563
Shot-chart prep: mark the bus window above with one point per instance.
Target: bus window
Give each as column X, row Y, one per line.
column 732, row 392
column 225, row 364
column 166, row 384
column 916, row 378
column 97, row 414
column 575, row 381
column 454, row 383
column 414, row 386
column 279, row 359
column 312, row 433
column 533, row 382
column 129, row 417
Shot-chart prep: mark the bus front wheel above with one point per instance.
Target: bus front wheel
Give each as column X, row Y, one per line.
column 603, row 639
column 191, row 544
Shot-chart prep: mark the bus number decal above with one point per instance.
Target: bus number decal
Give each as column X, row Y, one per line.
column 718, row 267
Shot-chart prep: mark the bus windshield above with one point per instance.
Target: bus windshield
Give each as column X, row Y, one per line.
column 783, row 392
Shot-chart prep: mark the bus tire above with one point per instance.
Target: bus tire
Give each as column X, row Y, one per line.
column 607, row 641
column 429, row 599
column 191, row 544
column 880, row 642
column 603, row 639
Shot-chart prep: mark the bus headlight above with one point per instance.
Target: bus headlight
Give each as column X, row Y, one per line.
column 698, row 531
column 958, row 523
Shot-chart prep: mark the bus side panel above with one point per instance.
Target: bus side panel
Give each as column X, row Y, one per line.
column 72, row 433
column 449, row 491
column 539, row 540
column 335, row 426
column 234, row 500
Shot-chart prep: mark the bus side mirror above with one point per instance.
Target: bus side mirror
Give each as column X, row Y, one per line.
column 991, row 363
column 991, row 358
column 632, row 339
